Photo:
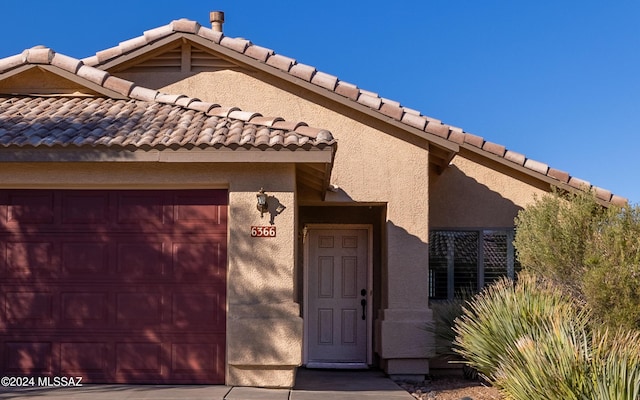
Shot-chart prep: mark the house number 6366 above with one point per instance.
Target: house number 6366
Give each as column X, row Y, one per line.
column 263, row 231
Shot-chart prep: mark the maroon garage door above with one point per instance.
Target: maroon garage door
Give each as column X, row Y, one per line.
column 116, row 286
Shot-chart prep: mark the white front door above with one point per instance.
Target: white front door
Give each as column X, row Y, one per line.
column 337, row 297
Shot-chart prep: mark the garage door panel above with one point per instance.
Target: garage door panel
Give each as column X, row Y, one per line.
column 88, row 310
column 30, row 207
column 85, row 208
column 115, row 286
column 85, row 357
column 198, row 259
column 31, row 257
column 194, row 358
column 28, row 357
column 139, row 358
column 200, row 311
column 84, row 258
column 108, row 357
column 140, row 309
column 141, row 209
column 29, row 308
column 192, row 208
column 139, row 259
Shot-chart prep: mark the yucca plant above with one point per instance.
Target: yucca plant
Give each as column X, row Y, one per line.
column 504, row 313
column 615, row 366
column 552, row 363
column 445, row 313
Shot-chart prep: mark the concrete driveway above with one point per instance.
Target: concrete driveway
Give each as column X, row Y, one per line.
column 310, row 385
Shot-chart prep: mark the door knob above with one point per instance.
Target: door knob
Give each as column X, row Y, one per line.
column 363, row 303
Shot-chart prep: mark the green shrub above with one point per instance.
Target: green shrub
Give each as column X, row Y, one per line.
column 554, row 234
column 504, row 313
column 590, row 251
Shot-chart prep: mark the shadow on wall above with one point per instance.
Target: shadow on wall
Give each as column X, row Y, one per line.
column 408, row 272
column 460, row 201
column 264, row 324
column 124, row 286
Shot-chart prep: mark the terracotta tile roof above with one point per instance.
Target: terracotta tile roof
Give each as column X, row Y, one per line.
column 143, row 118
column 96, row 121
column 387, row 108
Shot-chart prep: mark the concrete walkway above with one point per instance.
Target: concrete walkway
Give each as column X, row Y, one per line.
column 310, row 385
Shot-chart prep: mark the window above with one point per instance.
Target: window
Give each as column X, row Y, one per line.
column 468, row 260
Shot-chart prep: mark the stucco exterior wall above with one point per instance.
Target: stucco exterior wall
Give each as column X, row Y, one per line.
column 260, row 270
column 373, row 164
column 471, row 195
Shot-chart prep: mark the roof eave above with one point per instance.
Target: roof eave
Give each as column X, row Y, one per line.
column 210, row 155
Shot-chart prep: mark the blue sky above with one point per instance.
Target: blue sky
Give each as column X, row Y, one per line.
column 558, row 81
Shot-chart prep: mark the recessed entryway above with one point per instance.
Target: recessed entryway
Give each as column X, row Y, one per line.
column 338, row 296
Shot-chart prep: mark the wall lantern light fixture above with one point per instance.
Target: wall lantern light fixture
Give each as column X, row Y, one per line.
column 262, row 205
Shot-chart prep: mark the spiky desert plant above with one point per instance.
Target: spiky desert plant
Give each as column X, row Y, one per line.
column 445, row 313
column 502, row 314
column 615, row 370
column 552, row 363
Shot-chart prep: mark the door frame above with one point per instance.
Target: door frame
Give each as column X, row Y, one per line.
column 306, row 319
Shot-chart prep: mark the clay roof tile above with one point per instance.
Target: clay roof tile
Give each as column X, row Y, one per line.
column 202, row 106
column 392, row 110
column 158, row 33
column 416, row 121
column 348, row 90
column 579, row 183
column 303, row 71
column 258, row 53
column 210, row 34
column 185, row 25
column 474, row 140
column 494, row 148
column 619, row 201
column 108, row 54
column 266, row 121
column 288, row 125
column 325, row 80
column 222, row 111
column 39, row 55
column 562, row 176
column 144, row 94
column 238, row 45
column 133, row 44
column 370, row 101
column 67, row 63
column 515, row 157
column 435, row 127
column 118, row 85
column 94, row 75
column 243, row 115
column 536, row 166
column 281, row 62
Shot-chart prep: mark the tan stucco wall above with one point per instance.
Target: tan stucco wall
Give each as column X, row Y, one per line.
column 471, row 195
column 370, row 166
column 260, row 271
column 374, row 164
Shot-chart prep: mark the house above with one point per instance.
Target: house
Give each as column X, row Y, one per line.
column 188, row 207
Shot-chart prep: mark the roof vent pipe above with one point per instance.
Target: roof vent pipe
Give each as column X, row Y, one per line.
column 217, row 19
